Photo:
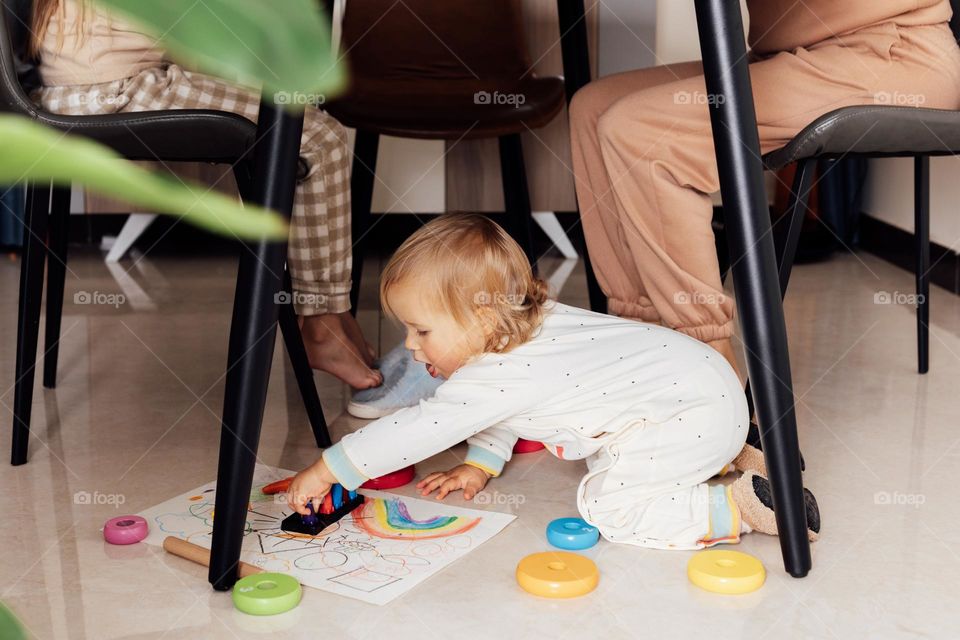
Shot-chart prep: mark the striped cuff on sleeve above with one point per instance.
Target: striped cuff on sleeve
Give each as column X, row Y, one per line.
column 481, row 458
column 340, row 466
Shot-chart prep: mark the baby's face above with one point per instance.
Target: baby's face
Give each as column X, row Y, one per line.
column 434, row 338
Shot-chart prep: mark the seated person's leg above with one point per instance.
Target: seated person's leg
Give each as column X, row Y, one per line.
column 615, row 267
column 320, row 256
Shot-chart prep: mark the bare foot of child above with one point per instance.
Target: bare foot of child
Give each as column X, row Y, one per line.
column 356, row 335
column 330, row 349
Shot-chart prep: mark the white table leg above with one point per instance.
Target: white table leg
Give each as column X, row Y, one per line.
column 551, row 226
column 135, row 225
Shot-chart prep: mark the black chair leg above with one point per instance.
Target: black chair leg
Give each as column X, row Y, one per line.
column 598, row 299
column 921, row 231
column 56, row 279
column 786, row 234
column 28, row 315
column 253, row 333
column 365, row 147
column 516, row 197
column 576, row 73
column 293, row 339
column 596, row 296
column 737, row 148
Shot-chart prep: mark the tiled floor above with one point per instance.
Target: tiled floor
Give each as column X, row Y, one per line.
column 136, row 414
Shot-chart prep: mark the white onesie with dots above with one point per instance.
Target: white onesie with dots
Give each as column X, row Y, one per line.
column 654, row 412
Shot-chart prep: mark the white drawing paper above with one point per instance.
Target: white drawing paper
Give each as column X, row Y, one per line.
column 378, row 552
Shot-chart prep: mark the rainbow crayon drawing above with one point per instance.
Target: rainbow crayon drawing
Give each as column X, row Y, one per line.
column 390, row 518
column 337, row 503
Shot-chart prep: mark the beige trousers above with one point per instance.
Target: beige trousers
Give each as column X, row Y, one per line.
column 644, row 161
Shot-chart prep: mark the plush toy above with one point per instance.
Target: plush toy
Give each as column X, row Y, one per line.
column 751, row 456
column 753, row 495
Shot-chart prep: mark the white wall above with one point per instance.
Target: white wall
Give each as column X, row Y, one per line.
column 888, row 196
column 627, row 35
column 677, row 37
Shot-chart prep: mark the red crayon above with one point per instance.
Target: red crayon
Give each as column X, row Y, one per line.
column 327, row 505
column 280, row 486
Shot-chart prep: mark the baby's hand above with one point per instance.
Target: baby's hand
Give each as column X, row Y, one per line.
column 465, row 476
column 314, row 483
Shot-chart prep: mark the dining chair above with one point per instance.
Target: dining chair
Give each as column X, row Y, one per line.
column 187, row 135
column 880, row 130
column 441, row 70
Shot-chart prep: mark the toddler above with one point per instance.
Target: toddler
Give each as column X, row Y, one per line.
column 653, row 412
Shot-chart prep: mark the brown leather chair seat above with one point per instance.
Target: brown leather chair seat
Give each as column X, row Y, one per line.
column 441, row 70
column 421, row 68
column 453, row 109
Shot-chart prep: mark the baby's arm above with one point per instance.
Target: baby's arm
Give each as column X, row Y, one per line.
column 472, row 400
column 487, row 453
column 469, row 478
column 314, row 483
column 490, row 449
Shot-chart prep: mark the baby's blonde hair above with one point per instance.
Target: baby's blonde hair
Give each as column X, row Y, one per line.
column 470, row 266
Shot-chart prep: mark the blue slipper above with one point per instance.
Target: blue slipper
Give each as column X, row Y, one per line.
column 405, row 383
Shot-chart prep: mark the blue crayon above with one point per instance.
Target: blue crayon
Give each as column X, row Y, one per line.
column 310, row 520
column 337, row 496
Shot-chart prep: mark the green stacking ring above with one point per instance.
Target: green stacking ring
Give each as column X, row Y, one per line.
column 266, row 594
column 10, row 628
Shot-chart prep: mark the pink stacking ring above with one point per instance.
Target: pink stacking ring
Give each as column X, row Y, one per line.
column 125, row 530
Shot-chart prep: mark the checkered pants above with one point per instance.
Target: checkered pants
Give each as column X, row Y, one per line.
column 319, row 254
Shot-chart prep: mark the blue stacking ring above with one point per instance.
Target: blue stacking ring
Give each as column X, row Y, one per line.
column 572, row 533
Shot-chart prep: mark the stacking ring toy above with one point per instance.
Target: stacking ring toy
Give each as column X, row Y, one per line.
column 266, row 594
column 723, row 571
column 572, row 533
column 391, row 480
column 527, row 446
column 557, row 574
column 125, row 530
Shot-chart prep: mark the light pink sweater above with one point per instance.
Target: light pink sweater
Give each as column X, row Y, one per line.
column 110, row 49
column 784, row 25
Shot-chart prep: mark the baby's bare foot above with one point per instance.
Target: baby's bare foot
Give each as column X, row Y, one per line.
column 330, row 349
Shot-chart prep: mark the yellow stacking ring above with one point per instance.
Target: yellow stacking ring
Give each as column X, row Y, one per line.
column 557, row 574
column 724, row 571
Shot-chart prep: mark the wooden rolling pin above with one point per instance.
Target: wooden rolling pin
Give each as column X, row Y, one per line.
column 196, row 553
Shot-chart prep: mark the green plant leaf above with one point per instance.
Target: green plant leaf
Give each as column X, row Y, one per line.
column 34, row 152
column 10, row 628
column 284, row 44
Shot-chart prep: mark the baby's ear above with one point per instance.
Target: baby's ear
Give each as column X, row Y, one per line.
column 487, row 317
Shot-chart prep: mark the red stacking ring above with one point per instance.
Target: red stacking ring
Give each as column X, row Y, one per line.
column 527, row 446
column 391, row 480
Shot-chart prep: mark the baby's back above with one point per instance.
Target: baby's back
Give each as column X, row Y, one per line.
column 604, row 371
